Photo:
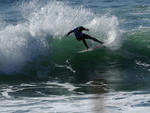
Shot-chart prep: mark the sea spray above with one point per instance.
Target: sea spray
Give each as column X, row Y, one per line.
column 23, row 43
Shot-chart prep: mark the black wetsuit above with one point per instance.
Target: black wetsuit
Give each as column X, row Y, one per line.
column 81, row 36
column 78, row 33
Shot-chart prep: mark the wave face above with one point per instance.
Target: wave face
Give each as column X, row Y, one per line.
column 35, row 44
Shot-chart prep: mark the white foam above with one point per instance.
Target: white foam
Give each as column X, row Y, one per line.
column 68, row 86
column 57, row 18
column 5, row 92
column 114, row 102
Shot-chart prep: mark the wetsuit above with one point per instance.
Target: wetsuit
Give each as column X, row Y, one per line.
column 78, row 33
column 81, row 36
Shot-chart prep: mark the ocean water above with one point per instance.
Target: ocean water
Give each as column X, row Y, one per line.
column 41, row 70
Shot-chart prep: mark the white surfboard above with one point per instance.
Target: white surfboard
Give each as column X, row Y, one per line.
column 91, row 49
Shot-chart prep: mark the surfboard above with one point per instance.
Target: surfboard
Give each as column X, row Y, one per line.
column 91, row 49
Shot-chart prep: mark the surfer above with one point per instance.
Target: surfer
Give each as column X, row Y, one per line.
column 81, row 36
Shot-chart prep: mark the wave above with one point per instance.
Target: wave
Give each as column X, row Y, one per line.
column 20, row 43
column 37, row 46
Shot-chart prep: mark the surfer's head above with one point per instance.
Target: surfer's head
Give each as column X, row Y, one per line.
column 80, row 28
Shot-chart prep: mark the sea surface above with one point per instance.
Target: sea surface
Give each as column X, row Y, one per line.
column 41, row 70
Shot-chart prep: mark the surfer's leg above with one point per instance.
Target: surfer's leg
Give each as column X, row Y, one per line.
column 94, row 39
column 85, row 43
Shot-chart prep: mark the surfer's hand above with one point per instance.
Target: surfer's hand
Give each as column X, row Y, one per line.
column 87, row 29
column 101, row 42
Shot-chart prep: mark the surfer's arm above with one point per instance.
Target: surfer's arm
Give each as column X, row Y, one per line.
column 70, row 32
column 85, row 29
